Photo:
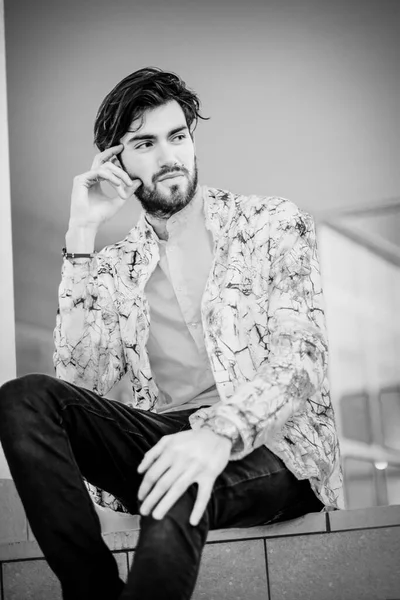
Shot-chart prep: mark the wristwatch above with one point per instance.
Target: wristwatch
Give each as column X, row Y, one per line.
column 73, row 255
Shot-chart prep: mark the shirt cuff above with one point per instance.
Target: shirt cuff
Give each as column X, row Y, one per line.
column 226, row 428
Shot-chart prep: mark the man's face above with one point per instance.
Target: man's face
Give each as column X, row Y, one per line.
column 160, row 152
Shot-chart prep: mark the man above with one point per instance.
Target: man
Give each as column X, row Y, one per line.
column 213, row 306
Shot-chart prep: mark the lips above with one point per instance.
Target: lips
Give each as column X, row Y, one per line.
column 170, row 176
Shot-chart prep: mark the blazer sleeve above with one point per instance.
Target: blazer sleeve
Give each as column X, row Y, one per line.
column 88, row 346
column 296, row 364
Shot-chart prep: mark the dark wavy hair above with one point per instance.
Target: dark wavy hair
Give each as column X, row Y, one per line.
column 144, row 89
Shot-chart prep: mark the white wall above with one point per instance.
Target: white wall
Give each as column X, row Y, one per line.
column 7, row 345
column 303, row 99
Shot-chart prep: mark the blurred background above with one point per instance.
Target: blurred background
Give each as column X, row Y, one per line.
column 304, row 100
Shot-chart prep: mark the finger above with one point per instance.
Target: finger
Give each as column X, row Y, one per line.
column 153, row 454
column 157, row 469
column 97, row 175
column 177, row 489
column 123, row 191
column 104, row 156
column 202, row 499
column 126, row 187
column 161, row 487
column 119, row 172
column 105, row 174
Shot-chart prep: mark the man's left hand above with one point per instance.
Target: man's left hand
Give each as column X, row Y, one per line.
column 176, row 462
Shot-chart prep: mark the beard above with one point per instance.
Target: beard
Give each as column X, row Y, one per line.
column 163, row 205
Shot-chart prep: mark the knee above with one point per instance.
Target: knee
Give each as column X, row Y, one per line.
column 175, row 525
column 14, row 392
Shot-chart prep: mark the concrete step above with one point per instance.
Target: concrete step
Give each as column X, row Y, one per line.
column 343, row 555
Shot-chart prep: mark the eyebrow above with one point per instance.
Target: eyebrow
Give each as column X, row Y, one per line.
column 149, row 136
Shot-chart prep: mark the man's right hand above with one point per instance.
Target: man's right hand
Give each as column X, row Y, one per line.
column 90, row 206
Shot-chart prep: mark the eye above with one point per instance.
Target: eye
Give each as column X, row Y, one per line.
column 179, row 137
column 143, row 145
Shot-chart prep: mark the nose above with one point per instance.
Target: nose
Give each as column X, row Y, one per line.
column 166, row 155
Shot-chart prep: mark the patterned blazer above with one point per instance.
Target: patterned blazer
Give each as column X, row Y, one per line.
column 263, row 322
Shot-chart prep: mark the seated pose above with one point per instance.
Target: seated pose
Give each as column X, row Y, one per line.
column 212, row 306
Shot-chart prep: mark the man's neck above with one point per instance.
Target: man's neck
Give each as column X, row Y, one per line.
column 160, row 224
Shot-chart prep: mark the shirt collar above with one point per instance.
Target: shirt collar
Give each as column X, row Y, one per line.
column 219, row 208
column 176, row 222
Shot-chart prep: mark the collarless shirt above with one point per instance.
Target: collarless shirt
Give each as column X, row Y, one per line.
column 176, row 348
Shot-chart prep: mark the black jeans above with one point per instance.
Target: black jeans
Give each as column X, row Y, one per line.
column 55, row 433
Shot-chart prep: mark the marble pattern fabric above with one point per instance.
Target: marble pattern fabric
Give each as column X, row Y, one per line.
column 263, row 324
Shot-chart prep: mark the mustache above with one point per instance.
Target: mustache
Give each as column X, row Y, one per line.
column 167, row 170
